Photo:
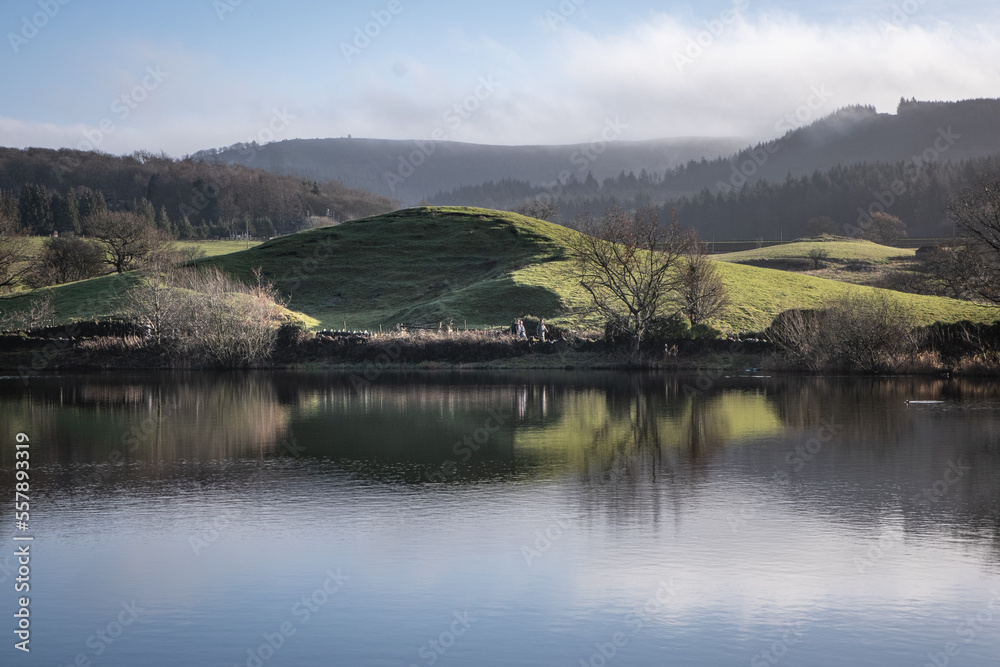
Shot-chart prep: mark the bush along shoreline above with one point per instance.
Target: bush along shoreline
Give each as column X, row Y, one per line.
column 827, row 342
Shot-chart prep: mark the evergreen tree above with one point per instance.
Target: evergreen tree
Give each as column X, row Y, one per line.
column 91, row 204
column 187, row 230
column 9, row 206
column 263, row 228
column 143, row 208
column 35, row 209
column 65, row 213
column 164, row 224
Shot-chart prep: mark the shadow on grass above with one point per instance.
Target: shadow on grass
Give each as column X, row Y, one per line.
column 498, row 300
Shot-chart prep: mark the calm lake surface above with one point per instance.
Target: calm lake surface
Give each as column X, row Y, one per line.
column 504, row 519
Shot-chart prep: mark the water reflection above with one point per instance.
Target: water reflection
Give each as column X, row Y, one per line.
column 664, row 435
column 770, row 502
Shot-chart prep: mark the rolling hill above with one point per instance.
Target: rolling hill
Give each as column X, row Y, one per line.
column 482, row 268
column 838, row 249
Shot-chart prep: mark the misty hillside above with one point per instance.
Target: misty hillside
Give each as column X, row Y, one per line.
column 953, row 131
column 411, row 171
column 448, row 172
column 920, row 134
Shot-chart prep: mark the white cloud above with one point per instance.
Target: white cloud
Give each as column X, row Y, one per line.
column 740, row 82
column 755, row 72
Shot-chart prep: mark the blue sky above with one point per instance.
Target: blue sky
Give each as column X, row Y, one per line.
column 190, row 74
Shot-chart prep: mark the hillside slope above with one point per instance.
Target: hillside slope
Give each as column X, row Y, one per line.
column 423, row 266
column 836, row 248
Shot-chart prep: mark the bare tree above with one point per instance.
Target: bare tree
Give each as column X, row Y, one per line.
column 155, row 304
column 865, row 331
column 821, row 225
column 206, row 317
column 884, row 228
column 64, row 260
column 703, row 295
column 536, row 208
column 13, row 252
column 628, row 265
column 967, row 271
column 802, row 337
column 818, row 255
column 972, row 268
column 871, row 332
column 127, row 239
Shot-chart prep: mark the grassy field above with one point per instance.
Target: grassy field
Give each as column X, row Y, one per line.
column 209, row 248
column 214, row 248
column 482, row 268
column 838, row 249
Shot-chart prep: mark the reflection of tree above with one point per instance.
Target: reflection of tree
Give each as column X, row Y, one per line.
column 149, row 418
column 880, row 437
column 653, row 447
column 633, row 446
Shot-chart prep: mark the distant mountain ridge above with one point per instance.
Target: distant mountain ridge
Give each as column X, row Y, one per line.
column 411, row 171
column 921, row 132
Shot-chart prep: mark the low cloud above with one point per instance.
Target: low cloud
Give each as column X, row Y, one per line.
column 729, row 75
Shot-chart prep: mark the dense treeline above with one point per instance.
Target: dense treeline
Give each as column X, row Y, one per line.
column 917, row 194
column 54, row 190
column 855, row 158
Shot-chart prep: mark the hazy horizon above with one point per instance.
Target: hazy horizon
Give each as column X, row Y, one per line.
column 200, row 74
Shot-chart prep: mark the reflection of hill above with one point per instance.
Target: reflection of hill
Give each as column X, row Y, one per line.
column 162, row 418
column 630, row 445
column 595, row 429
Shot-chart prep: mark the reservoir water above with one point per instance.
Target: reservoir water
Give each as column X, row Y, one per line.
column 266, row 519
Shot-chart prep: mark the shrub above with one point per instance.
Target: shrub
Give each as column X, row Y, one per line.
column 662, row 330
column 65, row 260
column 204, row 317
column 870, row 333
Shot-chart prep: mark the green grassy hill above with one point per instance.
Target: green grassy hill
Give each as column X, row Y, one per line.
column 838, row 249
column 422, row 266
